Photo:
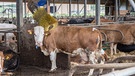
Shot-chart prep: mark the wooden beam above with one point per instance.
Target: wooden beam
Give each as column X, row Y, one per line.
column 124, row 72
column 76, row 66
column 105, row 66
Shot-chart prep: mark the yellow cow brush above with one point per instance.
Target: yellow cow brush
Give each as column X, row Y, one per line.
column 44, row 19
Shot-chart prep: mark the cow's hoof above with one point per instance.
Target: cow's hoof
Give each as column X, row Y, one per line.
column 52, row 70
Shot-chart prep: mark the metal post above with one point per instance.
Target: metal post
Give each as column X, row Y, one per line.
column 8, row 13
column 3, row 9
column 132, row 3
column 70, row 8
column 85, row 8
column 19, row 9
column 118, row 7
column 25, row 9
column 54, row 8
column 97, row 12
column 116, row 10
column 48, row 7
column 78, row 7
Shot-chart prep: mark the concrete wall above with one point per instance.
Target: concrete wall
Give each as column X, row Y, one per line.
column 34, row 57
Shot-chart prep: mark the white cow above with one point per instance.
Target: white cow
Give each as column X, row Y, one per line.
column 9, row 36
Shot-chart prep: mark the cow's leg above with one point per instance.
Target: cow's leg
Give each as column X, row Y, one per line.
column 115, row 48
column 111, row 48
column 44, row 51
column 91, row 72
column 101, row 62
column 92, row 61
column 84, row 57
column 82, row 54
column 53, row 60
column 102, row 57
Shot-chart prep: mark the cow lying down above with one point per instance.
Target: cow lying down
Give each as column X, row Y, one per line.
column 125, row 48
column 71, row 40
column 9, row 36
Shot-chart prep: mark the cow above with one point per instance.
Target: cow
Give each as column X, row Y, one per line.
column 9, row 59
column 70, row 40
column 122, row 34
column 102, row 20
column 7, row 34
column 80, row 20
column 1, row 61
column 62, row 21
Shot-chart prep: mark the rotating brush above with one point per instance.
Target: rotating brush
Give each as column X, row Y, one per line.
column 44, row 19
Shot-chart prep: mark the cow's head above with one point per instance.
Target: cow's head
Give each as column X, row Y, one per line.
column 38, row 35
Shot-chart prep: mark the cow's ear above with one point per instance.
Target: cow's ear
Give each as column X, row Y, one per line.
column 30, row 32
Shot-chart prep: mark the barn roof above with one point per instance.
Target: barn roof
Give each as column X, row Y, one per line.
column 66, row 1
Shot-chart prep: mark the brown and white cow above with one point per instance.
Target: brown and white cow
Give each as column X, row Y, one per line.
column 10, row 42
column 119, row 33
column 68, row 39
column 7, row 27
column 102, row 20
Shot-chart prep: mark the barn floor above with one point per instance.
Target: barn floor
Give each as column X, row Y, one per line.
column 24, row 70
column 36, row 71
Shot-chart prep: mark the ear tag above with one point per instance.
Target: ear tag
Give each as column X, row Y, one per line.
column 30, row 32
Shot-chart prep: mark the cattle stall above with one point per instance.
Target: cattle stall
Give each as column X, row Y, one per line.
column 33, row 59
column 9, row 57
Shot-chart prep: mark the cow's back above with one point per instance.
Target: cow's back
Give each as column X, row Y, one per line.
column 122, row 33
column 127, row 34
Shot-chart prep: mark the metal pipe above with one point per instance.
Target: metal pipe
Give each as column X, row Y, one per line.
column 54, row 8
column 48, row 7
column 19, row 9
column 125, row 72
column 3, row 8
column 85, row 8
column 97, row 12
column 78, row 7
column 132, row 4
column 116, row 10
column 25, row 9
column 70, row 1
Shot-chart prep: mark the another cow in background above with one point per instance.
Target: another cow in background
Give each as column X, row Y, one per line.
column 124, row 34
column 7, row 27
column 102, row 20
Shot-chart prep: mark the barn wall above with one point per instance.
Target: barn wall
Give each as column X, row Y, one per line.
column 34, row 57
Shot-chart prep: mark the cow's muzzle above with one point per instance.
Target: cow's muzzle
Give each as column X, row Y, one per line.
column 37, row 47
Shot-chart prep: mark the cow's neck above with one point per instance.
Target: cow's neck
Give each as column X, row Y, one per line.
column 47, row 33
column 44, row 50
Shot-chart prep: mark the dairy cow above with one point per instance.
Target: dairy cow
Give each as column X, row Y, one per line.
column 9, row 36
column 70, row 40
column 121, row 34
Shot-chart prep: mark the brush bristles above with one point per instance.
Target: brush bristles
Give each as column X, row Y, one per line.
column 44, row 19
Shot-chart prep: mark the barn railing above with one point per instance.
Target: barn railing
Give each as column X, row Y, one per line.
column 110, row 65
column 7, row 30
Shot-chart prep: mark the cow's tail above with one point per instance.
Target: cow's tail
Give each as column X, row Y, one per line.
column 103, row 54
column 99, row 41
